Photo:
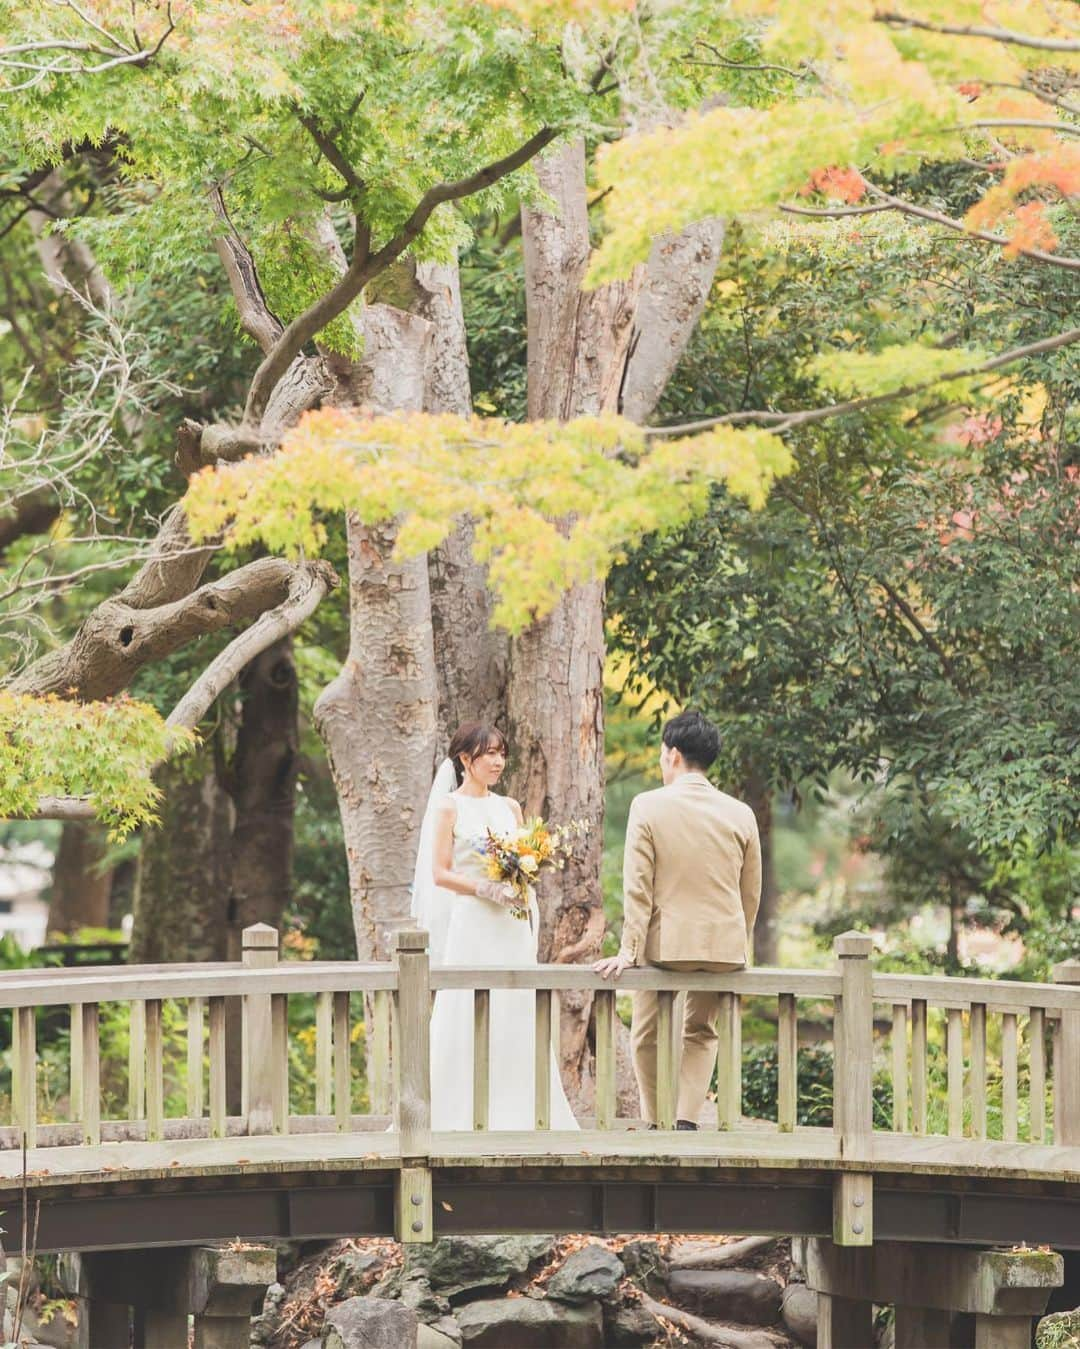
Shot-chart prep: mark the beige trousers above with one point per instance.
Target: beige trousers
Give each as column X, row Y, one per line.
column 698, row 1045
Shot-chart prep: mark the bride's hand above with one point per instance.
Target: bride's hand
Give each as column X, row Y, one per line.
column 499, row 892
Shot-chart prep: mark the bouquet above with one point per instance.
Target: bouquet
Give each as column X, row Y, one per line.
column 517, row 859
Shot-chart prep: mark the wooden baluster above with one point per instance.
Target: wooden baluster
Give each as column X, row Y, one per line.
column 977, row 1074
column 216, row 1013
column 195, row 1020
column 24, row 1073
column 137, row 1060
column 787, row 1041
column 899, row 1067
column 954, row 1048
column 729, row 1062
column 1037, row 1074
column 1067, row 1062
column 481, row 1055
column 342, row 1064
column 75, row 1074
column 918, row 1066
column 378, row 1050
column 604, row 1006
column 543, row 1058
column 90, row 1107
column 279, row 1065
column 665, row 1066
column 155, row 1086
column 324, row 1052
column 1009, row 1075
column 1056, row 1074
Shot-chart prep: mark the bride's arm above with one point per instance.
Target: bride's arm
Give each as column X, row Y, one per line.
column 442, row 857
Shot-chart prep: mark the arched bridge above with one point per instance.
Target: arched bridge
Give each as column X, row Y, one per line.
column 268, row 1099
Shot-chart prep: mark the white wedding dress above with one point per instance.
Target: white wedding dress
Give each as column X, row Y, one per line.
column 478, row 932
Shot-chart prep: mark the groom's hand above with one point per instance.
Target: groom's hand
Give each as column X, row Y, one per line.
column 612, row 967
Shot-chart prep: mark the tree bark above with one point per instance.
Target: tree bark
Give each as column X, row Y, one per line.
column 378, row 717
column 758, row 796
column 81, row 885
column 180, row 902
column 261, row 780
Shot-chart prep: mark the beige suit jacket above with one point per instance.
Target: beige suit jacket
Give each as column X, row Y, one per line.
column 691, row 876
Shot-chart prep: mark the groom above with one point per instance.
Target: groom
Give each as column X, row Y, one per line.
column 691, row 888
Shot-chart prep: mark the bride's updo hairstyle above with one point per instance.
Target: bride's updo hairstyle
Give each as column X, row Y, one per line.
column 471, row 739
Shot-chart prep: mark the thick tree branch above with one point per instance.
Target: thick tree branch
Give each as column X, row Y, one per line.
column 256, row 317
column 784, row 421
column 365, row 266
column 1009, row 35
column 308, row 584
column 332, row 153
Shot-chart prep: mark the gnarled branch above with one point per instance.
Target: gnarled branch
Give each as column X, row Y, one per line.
column 1007, row 35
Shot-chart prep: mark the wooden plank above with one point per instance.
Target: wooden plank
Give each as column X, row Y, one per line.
column 1009, row 1078
column 1037, row 1074
column 413, row 1209
column 412, row 1047
column 324, row 1051
column 729, row 1062
column 853, row 1209
column 747, row 983
column 665, row 1065
column 949, row 990
column 787, row 1040
column 342, row 1063
column 481, row 1055
column 605, row 1011
column 378, row 1054
column 279, row 1063
column 155, row 1085
column 542, row 1059
column 977, row 1071
column 90, row 1108
column 954, row 1050
column 75, row 1052
column 918, row 1067
column 195, row 1035
column 216, row 1012
column 24, row 1074
column 137, row 1059
column 900, row 1067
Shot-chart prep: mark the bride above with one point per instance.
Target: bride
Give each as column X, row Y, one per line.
column 469, row 921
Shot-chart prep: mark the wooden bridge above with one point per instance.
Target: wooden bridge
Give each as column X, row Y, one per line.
column 258, row 1167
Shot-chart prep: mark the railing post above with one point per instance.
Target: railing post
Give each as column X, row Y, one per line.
column 853, row 1102
column 412, row 1081
column 260, row 951
column 1067, row 1078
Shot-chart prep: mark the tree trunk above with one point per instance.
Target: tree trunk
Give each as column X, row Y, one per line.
column 262, row 783
column 470, row 656
column 81, row 885
column 180, row 903
column 378, row 717
column 766, row 930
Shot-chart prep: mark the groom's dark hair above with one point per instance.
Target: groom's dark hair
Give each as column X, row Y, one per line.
column 694, row 736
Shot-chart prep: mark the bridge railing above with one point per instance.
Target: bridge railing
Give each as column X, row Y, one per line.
column 237, row 1048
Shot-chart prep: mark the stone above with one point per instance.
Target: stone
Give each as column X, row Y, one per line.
column 369, row 1323
column 354, row 1271
column 645, row 1263
column 419, row 1296
column 1060, row 1330
column 727, row 1295
column 630, row 1326
column 454, row 1265
column 799, row 1312
column 531, row 1323
column 591, row 1272
column 427, row 1337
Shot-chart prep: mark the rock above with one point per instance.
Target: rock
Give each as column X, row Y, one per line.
column 428, row 1337
column 455, row 1265
column 531, row 1323
column 727, row 1295
column 630, row 1326
column 369, row 1323
column 1060, row 1330
column 592, row 1272
column 354, row 1270
column 799, row 1312
column 311, row 1344
column 419, row 1296
column 645, row 1263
